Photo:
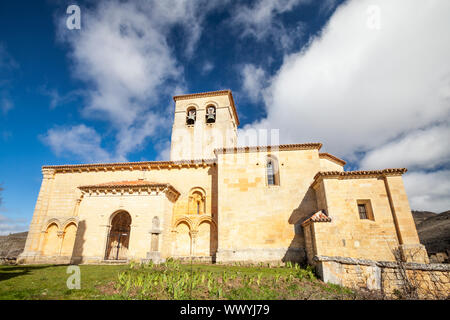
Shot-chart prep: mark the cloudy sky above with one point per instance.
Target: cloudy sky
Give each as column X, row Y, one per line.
column 368, row 79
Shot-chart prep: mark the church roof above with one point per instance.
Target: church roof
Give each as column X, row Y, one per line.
column 326, row 155
column 211, row 94
column 298, row 146
column 131, row 184
column 133, row 165
column 358, row 174
column 128, row 184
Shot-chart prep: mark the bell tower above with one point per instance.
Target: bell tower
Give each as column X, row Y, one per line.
column 203, row 122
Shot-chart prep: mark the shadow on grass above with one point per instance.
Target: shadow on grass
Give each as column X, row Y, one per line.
column 9, row 272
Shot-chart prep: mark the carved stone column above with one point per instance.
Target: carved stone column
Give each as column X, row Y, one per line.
column 60, row 235
column 193, row 234
column 154, row 253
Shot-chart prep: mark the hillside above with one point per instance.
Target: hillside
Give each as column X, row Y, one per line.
column 434, row 231
column 420, row 216
column 11, row 246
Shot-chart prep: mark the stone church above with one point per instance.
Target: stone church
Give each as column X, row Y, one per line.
column 216, row 202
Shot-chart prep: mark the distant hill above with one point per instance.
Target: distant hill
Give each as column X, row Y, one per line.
column 434, row 230
column 11, row 246
column 420, row 216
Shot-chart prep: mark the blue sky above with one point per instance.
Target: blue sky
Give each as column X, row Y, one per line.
column 368, row 79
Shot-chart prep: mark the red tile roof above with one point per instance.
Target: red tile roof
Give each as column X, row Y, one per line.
column 297, row 146
column 319, row 216
column 326, row 155
column 130, row 184
column 127, row 183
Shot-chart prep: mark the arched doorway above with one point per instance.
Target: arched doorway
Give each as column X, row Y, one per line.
column 119, row 236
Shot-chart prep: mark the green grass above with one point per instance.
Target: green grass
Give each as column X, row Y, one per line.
column 170, row 280
column 49, row 282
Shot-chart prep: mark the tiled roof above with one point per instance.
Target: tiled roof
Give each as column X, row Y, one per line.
column 319, row 216
column 358, row 174
column 298, row 146
column 138, row 164
column 130, row 184
column 210, row 94
column 326, row 155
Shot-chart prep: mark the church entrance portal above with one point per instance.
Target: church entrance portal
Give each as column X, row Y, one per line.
column 119, row 237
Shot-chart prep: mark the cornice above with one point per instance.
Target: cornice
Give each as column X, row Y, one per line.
column 120, row 166
column 131, row 187
column 357, row 174
column 284, row 147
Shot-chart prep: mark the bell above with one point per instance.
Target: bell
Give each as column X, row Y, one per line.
column 190, row 119
column 210, row 116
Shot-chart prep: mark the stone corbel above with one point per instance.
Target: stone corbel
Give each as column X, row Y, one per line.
column 48, row 173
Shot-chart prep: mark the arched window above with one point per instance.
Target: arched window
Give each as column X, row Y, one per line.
column 196, row 201
column 210, row 114
column 273, row 175
column 191, row 116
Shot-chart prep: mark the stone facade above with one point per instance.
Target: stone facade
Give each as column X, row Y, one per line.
column 216, row 202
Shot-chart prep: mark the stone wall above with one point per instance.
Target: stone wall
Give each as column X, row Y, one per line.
column 261, row 222
column 389, row 221
column 60, row 201
column 395, row 280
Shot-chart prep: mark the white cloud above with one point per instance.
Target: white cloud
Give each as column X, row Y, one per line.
column 79, row 141
column 382, row 91
column 6, row 60
column 428, row 191
column 11, row 225
column 122, row 53
column 57, row 99
column 207, row 67
column 259, row 20
column 126, row 58
column 163, row 148
column 423, row 148
column 253, row 82
column 355, row 88
column 7, row 65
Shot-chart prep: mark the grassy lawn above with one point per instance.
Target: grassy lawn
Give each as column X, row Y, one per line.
column 170, row 280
